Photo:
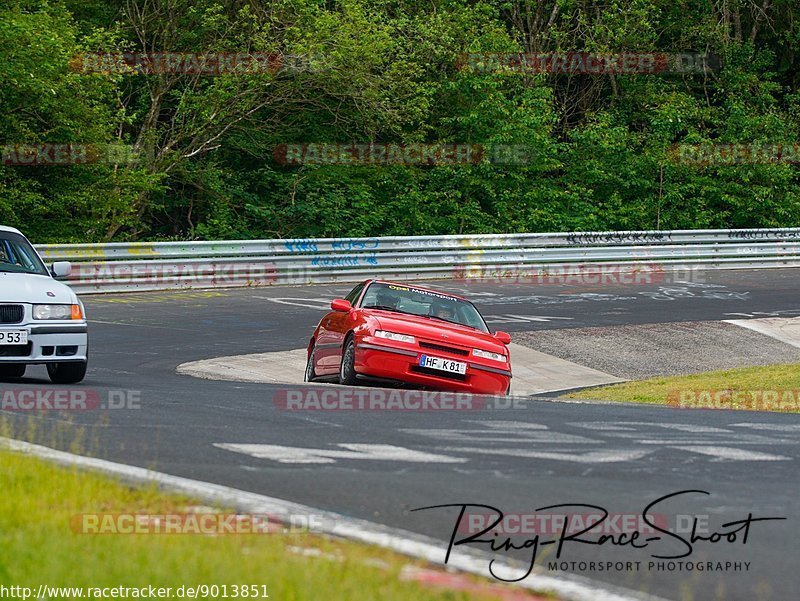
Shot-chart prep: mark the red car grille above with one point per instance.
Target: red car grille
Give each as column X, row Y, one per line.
column 444, row 349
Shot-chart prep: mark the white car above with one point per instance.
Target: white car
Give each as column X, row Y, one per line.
column 42, row 321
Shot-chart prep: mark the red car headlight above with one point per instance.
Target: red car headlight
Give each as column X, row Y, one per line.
column 395, row 336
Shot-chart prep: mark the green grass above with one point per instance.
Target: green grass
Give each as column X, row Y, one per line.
column 38, row 500
column 742, row 388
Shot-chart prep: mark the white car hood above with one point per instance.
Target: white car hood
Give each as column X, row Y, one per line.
column 27, row 288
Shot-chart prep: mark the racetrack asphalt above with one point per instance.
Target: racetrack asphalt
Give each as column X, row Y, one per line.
column 615, row 456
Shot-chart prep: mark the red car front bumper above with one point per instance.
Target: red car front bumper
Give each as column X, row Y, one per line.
column 376, row 359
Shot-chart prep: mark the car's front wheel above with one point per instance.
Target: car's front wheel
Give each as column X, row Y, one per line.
column 310, row 374
column 347, row 370
column 12, row 371
column 68, row 372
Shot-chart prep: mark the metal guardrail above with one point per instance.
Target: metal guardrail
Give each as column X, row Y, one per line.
column 149, row 266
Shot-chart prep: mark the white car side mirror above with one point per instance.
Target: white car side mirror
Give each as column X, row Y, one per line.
column 61, row 269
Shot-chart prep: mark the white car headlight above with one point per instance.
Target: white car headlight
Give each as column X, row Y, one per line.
column 487, row 355
column 395, row 336
column 63, row 312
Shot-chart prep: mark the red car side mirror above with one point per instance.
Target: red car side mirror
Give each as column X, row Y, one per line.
column 503, row 337
column 341, row 305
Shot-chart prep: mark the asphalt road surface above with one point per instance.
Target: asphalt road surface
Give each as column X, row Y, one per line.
column 379, row 465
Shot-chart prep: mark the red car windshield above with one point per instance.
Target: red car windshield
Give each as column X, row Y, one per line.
column 423, row 303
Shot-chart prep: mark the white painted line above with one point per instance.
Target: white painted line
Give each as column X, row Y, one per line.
column 511, row 318
column 611, row 456
column 773, row 427
column 606, row 426
column 375, row 452
column 731, row 454
column 636, row 426
column 507, row 426
column 693, row 428
column 322, row 304
column 575, row 588
column 486, row 435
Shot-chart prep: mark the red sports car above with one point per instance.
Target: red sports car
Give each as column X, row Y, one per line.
column 400, row 333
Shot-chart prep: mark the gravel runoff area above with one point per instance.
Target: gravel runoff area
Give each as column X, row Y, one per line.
column 642, row 351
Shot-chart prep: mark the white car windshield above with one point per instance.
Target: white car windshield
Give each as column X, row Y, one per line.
column 18, row 256
column 423, row 303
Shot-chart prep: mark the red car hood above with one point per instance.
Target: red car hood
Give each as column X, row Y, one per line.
column 434, row 329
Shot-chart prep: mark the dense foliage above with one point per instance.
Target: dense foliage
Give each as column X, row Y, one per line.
column 391, row 71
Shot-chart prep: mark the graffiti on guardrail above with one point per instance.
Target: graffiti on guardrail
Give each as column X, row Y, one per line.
column 419, row 259
column 301, row 245
column 419, row 243
column 355, row 244
column 87, row 252
column 763, row 235
column 527, row 259
column 344, row 261
column 601, row 237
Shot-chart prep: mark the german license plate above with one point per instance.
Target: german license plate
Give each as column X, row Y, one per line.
column 13, row 337
column 448, row 365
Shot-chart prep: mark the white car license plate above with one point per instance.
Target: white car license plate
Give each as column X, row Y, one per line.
column 448, row 365
column 12, row 337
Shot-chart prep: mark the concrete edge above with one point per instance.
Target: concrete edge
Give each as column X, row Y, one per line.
column 534, row 372
column 771, row 327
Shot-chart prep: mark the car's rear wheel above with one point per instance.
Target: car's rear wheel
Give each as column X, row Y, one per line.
column 12, row 371
column 347, row 370
column 67, row 373
column 310, row 374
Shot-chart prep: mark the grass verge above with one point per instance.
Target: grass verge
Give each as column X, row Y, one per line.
column 771, row 388
column 38, row 508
